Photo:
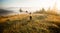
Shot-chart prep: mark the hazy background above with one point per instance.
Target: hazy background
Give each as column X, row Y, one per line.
column 29, row 5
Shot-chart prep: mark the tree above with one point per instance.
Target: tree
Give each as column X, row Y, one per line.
column 26, row 11
column 30, row 16
column 21, row 10
column 42, row 11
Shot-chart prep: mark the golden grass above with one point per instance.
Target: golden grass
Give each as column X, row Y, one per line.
column 38, row 24
column 13, row 17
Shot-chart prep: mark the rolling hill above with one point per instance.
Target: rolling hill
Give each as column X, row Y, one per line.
column 21, row 23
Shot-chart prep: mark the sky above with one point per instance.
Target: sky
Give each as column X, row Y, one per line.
column 37, row 4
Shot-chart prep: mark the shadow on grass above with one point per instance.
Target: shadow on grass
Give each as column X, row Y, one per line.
column 54, row 29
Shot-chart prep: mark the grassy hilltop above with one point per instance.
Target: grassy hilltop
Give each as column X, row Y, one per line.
column 40, row 23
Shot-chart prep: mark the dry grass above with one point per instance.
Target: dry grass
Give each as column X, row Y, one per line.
column 38, row 24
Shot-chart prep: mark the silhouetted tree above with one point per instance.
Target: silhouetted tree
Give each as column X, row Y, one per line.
column 26, row 11
column 21, row 10
column 42, row 11
column 30, row 16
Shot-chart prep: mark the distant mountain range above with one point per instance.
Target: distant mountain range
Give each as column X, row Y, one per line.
column 4, row 12
column 12, row 11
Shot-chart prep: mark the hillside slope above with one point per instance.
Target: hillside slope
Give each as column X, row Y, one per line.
column 40, row 23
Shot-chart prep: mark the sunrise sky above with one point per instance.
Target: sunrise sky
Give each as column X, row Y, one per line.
column 37, row 4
